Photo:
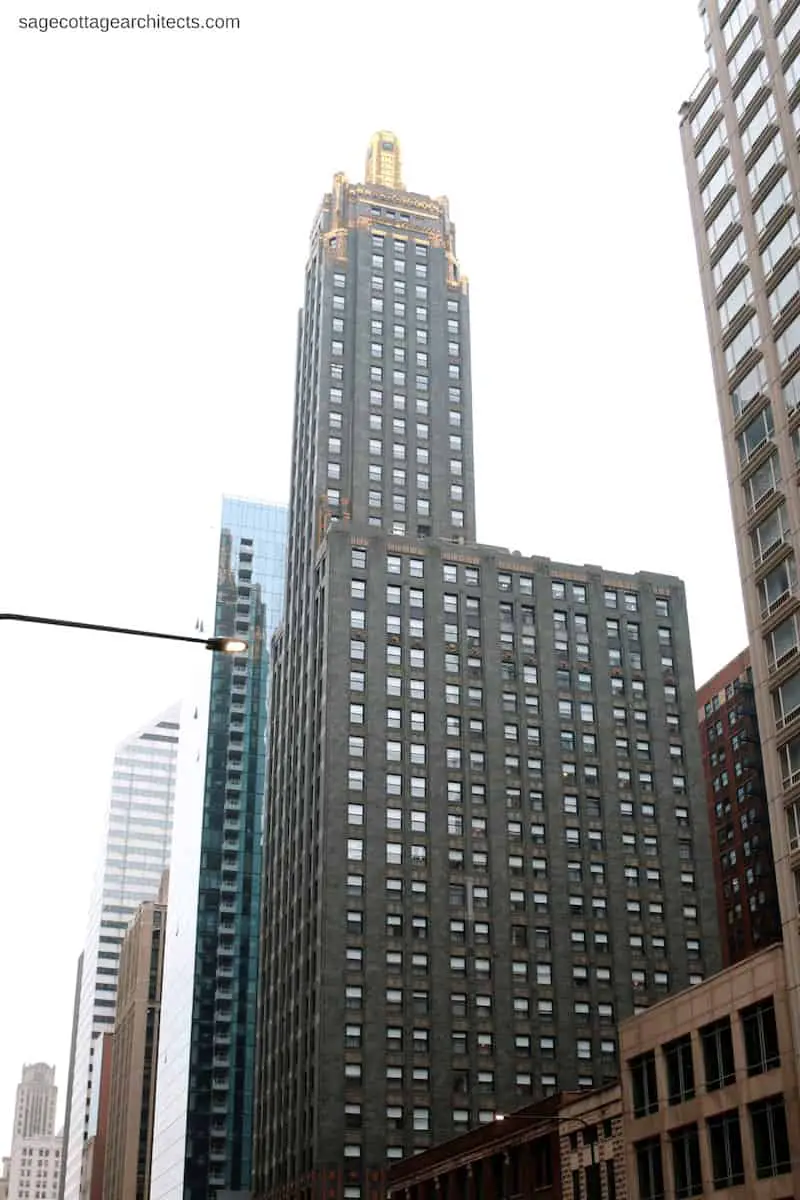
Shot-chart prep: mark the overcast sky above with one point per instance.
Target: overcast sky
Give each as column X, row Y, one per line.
column 159, row 192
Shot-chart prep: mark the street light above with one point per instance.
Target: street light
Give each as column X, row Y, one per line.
column 222, row 645
column 542, row 1118
column 557, row 1118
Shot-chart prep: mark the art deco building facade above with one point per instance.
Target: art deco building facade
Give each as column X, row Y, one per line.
column 135, row 853
column 739, row 134
column 35, row 1108
column 34, row 1168
column 204, row 1093
column 486, row 836
column 747, row 894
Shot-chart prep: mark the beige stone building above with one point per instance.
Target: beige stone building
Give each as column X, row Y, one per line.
column 128, row 1152
column 710, row 1098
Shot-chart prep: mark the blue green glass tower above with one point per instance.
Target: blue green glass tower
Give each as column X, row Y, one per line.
column 204, row 1104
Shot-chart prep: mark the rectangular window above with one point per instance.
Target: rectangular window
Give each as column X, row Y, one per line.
column 725, row 1139
column 649, row 1169
column 760, row 1037
column 770, row 1137
column 644, row 1083
column 680, row 1070
column 717, row 1043
column 686, row 1163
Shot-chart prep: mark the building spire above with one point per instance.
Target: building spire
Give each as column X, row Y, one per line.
column 384, row 164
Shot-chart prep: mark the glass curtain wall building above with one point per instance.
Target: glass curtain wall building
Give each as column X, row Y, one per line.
column 204, row 1093
column 740, row 133
column 137, row 843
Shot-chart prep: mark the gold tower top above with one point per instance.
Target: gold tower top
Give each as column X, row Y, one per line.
column 384, row 165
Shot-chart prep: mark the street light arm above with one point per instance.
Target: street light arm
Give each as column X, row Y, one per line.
column 223, row 644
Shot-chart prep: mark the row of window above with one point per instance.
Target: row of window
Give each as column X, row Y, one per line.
column 455, row 695
column 415, row 630
column 416, row 821
column 453, row 666
column 464, row 1006
column 464, row 1081
column 480, row 932
column 398, row 245
column 422, row 482
column 416, row 855
column 453, row 603
column 456, row 726
column 761, row 1054
column 393, row 783
column 522, row 1005
column 508, row 581
column 771, row 1152
column 478, row 895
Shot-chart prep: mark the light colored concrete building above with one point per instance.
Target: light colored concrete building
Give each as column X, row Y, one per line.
column 135, row 853
column 37, row 1094
column 35, row 1167
column 739, row 131
column 710, row 1099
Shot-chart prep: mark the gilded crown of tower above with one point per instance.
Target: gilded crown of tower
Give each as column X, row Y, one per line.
column 384, row 165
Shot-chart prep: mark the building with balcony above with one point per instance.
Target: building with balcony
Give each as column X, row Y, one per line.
column 202, row 1140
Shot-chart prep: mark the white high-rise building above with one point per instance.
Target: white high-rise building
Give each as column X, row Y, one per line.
column 135, row 853
column 35, row 1167
column 35, row 1163
column 35, row 1110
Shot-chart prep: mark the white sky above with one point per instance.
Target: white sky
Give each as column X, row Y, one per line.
column 159, row 191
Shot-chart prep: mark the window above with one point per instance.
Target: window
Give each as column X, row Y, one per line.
column 686, row 1164
column 355, row 849
column 649, row 1169
column 353, row 996
column 680, row 1070
column 725, row 1138
column 645, row 1086
column 760, row 1037
column 718, row 1058
column 770, row 1137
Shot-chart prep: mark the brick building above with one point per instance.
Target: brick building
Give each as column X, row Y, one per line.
column 744, row 872
column 568, row 1146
